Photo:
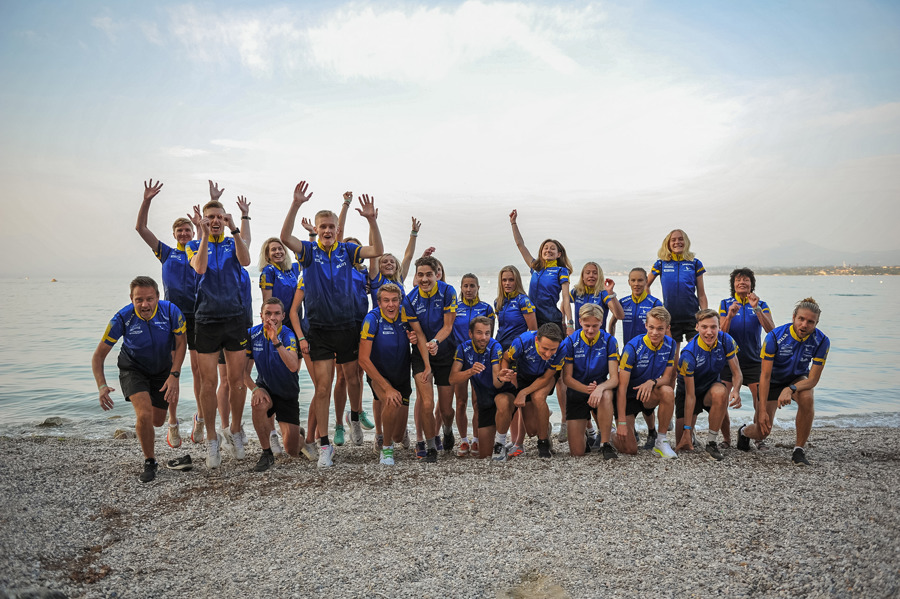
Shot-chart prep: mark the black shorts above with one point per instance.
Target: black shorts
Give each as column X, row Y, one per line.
column 776, row 387
column 341, row 345
column 210, row 337
column 749, row 372
column 487, row 416
column 633, row 406
column 134, row 381
column 699, row 394
column 524, row 380
column 577, row 407
column 190, row 332
column 440, row 367
column 286, row 409
column 403, row 386
column 683, row 328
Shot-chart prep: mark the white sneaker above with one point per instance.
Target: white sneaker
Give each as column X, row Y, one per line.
column 243, row 435
column 238, row 446
column 326, row 456
column 356, row 434
column 310, row 451
column 663, row 450
column 214, row 459
column 226, row 441
column 275, row 443
column 387, row 457
column 563, row 433
column 405, row 442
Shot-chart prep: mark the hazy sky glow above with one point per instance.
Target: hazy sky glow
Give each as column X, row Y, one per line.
column 605, row 124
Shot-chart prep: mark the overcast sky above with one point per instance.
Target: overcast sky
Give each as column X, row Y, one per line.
column 605, row 123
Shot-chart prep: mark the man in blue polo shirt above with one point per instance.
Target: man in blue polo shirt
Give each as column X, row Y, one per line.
column 149, row 362
column 331, row 302
column 384, row 356
column 478, row 360
column 793, row 356
column 220, row 316
column 700, row 384
column 537, row 360
column 276, row 391
column 646, row 381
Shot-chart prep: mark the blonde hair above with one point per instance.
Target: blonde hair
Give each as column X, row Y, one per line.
column 396, row 277
column 539, row 263
column 808, row 304
column 579, row 286
column 661, row 314
column 182, row 221
column 706, row 313
column 323, row 214
column 264, row 261
column 212, row 204
column 519, row 290
column 665, row 253
column 388, row 288
column 590, row 311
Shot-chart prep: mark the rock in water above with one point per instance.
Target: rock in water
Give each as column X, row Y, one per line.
column 124, row 433
column 52, row 421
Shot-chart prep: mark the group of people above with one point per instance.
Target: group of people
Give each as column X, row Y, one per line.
column 513, row 353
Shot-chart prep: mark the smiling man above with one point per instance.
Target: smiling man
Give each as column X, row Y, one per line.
column 148, row 366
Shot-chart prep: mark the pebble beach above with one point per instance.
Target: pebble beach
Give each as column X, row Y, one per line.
column 77, row 523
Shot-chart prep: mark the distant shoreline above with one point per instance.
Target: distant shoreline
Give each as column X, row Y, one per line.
column 842, row 271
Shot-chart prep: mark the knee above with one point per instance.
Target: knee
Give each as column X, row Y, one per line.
column 666, row 396
column 805, row 399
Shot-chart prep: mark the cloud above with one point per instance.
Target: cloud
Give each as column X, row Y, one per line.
column 108, row 26
column 182, row 152
column 235, row 144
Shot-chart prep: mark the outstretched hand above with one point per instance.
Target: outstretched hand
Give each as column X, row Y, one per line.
column 609, row 285
column 416, row 224
column 308, row 225
column 243, row 205
column 150, row 190
column 106, row 401
column 214, row 192
column 300, row 195
column 367, row 209
column 512, row 217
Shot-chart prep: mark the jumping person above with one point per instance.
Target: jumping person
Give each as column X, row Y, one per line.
column 646, row 380
column 148, row 367
column 700, row 385
column 385, row 357
column 330, row 301
column 180, row 284
column 276, row 391
column 793, row 356
column 591, row 375
column 220, row 318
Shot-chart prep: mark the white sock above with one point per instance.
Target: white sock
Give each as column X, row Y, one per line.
column 590, row 429
column 501, row 438
column 474, row 440
column 660, row 440
column 712, row 436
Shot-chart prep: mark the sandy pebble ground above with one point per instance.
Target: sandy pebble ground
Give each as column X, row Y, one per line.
column 77, row 523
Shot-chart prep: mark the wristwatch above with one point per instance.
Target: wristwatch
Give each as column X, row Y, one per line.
column 175, row 373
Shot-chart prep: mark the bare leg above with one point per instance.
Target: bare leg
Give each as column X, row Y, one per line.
column 461, row 393
column 324, row 375
column 805, row 413
column 576, row 436
column 223, row 393
column 235, row 364
column 209, row 379
column 147, row 418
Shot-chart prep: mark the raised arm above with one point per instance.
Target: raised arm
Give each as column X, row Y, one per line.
column 368, row 212
column 300, row 198
column 342, row 217
column 200, row 259
column 410, row 249
column 244, row 206
column 150, row 191
column 615, row 308
column 517, row 237
column 241, row 250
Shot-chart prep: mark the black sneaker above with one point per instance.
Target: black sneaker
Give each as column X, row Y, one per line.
column 150, row 467
column 266, row 460
column 497, row 448
column 431, row 456
column 743, row 442
column 712, row 450
column 799, row 457
column 448, row 441
column 544, row 448
column 182, row 463
column 608, row 452
column 651, row 442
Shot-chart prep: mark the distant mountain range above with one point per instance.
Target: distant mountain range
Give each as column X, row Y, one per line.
column 801, row 253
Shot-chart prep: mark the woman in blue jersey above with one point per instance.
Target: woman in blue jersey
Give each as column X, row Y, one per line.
column 588, row 290
column 744, row 316
column 793, row 357
column 180, row 284
column 277, row 276
column 683, row 290
column 387, row 269
column 468, row 308
column 515, row 312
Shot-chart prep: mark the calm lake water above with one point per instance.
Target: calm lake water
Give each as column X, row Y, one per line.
column 51, row 329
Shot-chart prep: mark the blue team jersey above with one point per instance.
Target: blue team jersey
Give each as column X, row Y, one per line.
column 646, row 362
column 705, row 363
column 146, row 344
column 179, row 279
column 282, row 284
column 590, row 361
column 330, row 299
column 545, row 289
column 679, row 286
column 511, row 318
column 271, row 371
column 430, row 309
column 524, row 356
column 376, row 283
column 634, row 322
column 745, row 327
column 793, row 356
column 390, row 345
column 465, row 312
column 361, row 291
column 483, row 382
column 601, row 299
column 220, row 296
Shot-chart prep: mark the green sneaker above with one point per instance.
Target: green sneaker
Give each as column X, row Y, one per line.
column 365, row 421
column 387, row 456
column 339, row 434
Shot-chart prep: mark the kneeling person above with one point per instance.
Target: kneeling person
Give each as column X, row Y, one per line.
column 478, row 360
column 700, row 385
column 276, row 391
column 148, row 368
column 384, row 356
